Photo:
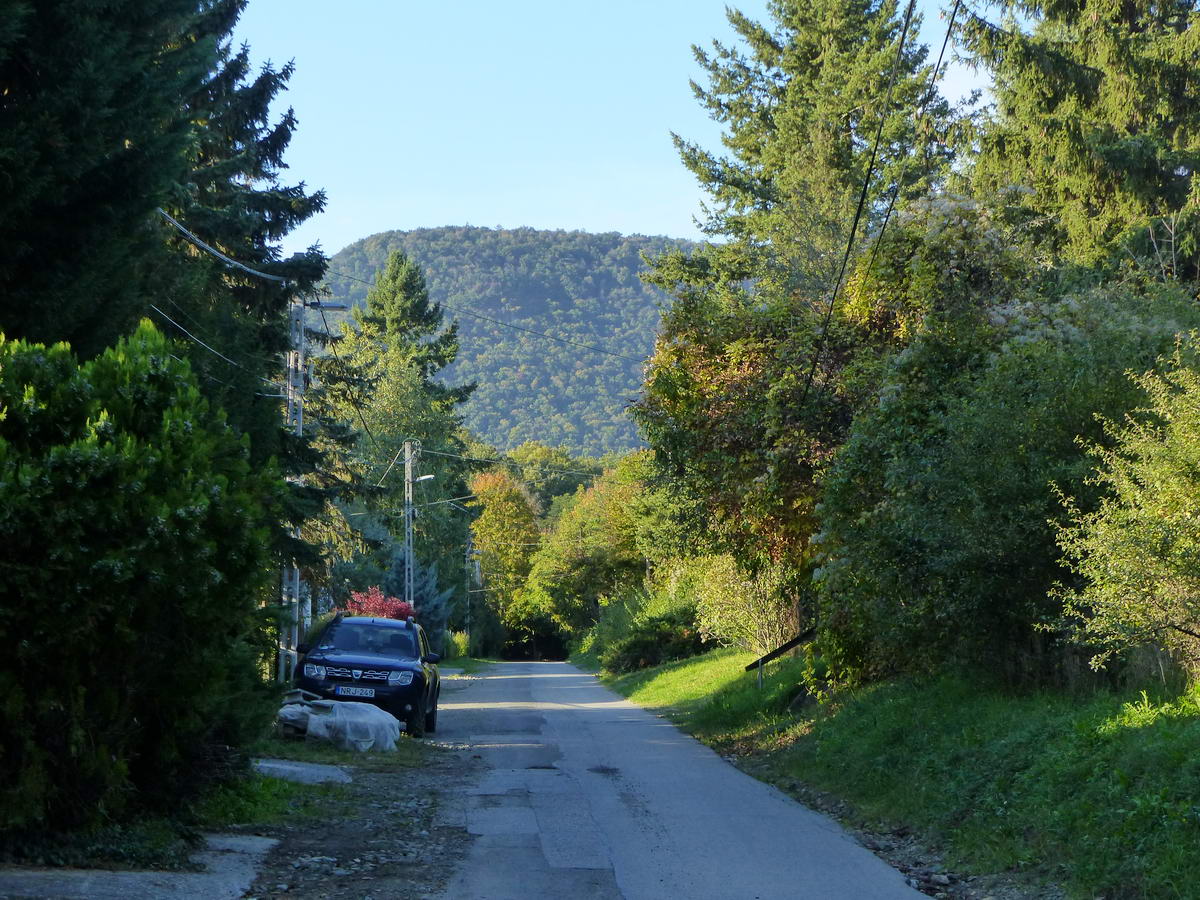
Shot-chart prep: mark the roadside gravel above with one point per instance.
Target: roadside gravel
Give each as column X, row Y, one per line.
column 378, row 837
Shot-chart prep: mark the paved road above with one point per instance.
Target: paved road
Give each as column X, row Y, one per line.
column 588, row 797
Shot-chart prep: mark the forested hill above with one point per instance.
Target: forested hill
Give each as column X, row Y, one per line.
column 573, row 285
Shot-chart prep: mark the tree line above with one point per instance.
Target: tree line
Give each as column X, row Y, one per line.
column 974, row 447
column 150, row 492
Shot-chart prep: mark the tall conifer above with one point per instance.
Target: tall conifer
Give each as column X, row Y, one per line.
column 1095, row 134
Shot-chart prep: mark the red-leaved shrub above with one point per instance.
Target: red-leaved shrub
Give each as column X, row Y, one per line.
column 374, row 603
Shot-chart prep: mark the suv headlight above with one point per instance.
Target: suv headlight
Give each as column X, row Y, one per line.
column 400, row 678
column 312, row 671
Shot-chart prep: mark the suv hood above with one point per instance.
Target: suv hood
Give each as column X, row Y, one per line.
column 361, row 660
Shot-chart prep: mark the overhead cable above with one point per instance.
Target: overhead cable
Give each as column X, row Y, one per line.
column 862, row 199
column 513, row 462
column 217, row 253
column 218, row 353
column 887, row 216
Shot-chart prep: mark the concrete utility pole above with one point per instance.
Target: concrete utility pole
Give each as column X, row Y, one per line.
column 467, row 584
column 289, row 636
column 291, row 583
column 412, row 452
column 408, row 522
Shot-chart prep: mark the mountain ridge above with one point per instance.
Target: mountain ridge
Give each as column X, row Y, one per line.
column 577, row 286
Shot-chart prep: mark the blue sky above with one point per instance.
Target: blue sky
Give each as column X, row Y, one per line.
column 546, row 113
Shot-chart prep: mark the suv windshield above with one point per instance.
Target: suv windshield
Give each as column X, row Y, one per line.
column 368, row 637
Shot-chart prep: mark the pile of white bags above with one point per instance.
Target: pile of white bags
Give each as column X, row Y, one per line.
column 350, row 726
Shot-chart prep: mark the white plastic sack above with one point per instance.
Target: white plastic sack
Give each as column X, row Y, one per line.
column 295, row 715
column 354, row 726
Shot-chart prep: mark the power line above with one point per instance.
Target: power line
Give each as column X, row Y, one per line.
column 513, row 462
column 217, row 253
column 862, row 199
column 920, row 117
column 467, row 312
column 218, row 353
column 350, row 394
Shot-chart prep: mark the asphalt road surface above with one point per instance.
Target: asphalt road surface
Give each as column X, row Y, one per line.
column 588, row 797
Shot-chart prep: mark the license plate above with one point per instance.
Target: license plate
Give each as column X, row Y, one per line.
column 343, row 691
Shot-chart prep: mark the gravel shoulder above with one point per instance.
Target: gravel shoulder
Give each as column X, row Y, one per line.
column 392, row 832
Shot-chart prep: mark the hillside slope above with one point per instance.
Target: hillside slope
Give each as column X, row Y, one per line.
column 573, row 285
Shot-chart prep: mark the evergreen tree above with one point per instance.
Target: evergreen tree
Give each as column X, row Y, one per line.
column 728, row 408
column 430, row 599
column 90, row 144
column 1095, row 135
column 231, row 196
column 377, row 383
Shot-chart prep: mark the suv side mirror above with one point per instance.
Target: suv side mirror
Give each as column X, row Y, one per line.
column 302, row 649
column 431, row 658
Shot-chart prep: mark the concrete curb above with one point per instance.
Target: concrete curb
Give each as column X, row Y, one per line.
column 302, row 772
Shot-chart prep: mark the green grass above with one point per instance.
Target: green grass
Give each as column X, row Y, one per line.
column 259, row 800
column 588, row 661
column 470, row 665
column 167, row 843
column 714, row 698
column 1100, row 792
column 408, row 753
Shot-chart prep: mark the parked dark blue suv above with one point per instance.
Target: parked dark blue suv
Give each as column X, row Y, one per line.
column 382, row 661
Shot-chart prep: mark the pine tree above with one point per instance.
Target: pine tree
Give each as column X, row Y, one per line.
column 1095, row 135
column 400, row 319
column 801, row 104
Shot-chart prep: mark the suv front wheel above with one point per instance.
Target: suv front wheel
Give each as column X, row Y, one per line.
column 431, row 717
column 415, row 723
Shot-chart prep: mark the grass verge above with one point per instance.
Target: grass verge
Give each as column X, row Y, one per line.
column 469, row 665
column 1100, row 792
column 408, row 753
column 168, row 842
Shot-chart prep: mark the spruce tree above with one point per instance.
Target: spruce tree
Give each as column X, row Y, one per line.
column 90, row 143
column 1095, row 134
column 728, row 407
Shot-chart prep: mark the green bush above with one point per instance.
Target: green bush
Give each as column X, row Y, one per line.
column 457, row 645
column 654, row 640
column 134, row 552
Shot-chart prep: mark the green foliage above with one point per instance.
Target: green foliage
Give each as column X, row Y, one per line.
column 575, row 286
column 135, row 557
column 551, row 473
column 1097, row 792
column 1136, row 553
column 591, row 552
column 751, row 610
column 740, row 416
column 801, row 99
column 89, row 146
column 505, row 533
column 653, row 641
column 456, row 646
column 1094, row 138
column 938, row 539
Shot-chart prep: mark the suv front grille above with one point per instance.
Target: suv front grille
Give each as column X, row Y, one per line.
column 367, row 674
